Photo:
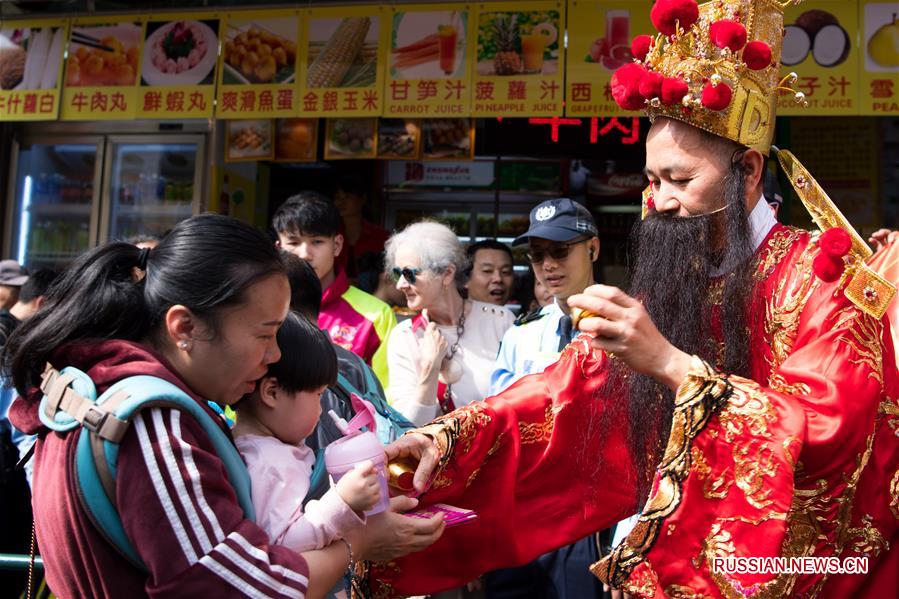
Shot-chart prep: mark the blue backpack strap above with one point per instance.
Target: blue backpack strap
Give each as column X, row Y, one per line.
column 98, row 447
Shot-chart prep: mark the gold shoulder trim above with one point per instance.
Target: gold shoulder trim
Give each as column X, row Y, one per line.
column 865, row 288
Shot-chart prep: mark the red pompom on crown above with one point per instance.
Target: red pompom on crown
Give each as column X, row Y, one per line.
column 651, row 85
column 728, row 34
column 667, row 14
column 626, row 86
column 757, row 55
column 673, row 90
column 716, row 97
column 835, row 242
column 640, row 46
column 827, row 268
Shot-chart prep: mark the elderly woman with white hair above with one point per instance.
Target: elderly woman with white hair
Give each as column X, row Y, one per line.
column 441, row 359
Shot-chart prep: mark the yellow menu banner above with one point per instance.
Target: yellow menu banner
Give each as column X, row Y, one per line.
column 599, row 42
column 31, row 69
column 258, row 65
column 102, row 69
column 520, row 60
column 342, row 68
column 879, row 57
column 819, row 46
column 430, row 61
column 180, row 52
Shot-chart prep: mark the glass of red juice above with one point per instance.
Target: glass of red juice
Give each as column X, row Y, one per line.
column 448, row 36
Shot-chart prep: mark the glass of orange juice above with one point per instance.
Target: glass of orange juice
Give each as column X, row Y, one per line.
column 448, row 37
column 532, row 47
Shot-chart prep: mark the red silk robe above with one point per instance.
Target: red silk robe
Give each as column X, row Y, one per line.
column 800, row 460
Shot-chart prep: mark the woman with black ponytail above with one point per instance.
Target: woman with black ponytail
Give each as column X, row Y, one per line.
column 201, row 311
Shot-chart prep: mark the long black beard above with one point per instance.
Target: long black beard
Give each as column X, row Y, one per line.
column 673, row 261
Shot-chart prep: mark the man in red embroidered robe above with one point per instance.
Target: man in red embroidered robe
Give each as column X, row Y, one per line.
column 743, row 396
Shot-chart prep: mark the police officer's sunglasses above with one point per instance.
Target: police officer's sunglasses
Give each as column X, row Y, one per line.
column 557, row 251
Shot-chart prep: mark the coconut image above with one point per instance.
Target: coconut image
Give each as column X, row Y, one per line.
column 797, row 44
column 819, row 33
column 831, row 46
column 812, row 21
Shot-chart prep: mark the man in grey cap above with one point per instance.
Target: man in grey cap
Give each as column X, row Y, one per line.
column 562, row 247
column 12, row 276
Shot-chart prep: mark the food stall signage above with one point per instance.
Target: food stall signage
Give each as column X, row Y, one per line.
column 180, row 54
column 258, row 65
column 431, row 52
column 341, row 73
column 520, row 59
column 879, row 57
column 820, row 49
column 103, row 69
column 31, row 54
column 599, row 41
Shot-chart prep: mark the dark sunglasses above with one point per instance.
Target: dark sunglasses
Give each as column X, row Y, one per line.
column 556, row 252
column 407, row 273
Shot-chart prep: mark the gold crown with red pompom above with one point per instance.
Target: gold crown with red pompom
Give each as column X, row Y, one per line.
column 715, row 66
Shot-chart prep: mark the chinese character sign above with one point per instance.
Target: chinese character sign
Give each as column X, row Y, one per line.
column 599, row 41
column 819, row 47
column 429, row 67
column 102, row 69
column 30, row 66
column 520, row 59
column 257, row 75
column 880, row 57
column 343, row 73
column 178, row 67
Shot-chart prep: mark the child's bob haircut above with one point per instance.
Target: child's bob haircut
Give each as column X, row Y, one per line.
column 308, row 360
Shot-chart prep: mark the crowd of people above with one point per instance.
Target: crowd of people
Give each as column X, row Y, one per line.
column 261, row 331
column 171, row 408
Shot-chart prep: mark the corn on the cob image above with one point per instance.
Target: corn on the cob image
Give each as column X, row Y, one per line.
column 331, row 65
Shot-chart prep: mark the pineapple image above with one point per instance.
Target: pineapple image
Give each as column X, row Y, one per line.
column 505, row 32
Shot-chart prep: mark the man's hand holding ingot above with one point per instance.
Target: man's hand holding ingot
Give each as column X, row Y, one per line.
column 416, row 446
column 620, row 325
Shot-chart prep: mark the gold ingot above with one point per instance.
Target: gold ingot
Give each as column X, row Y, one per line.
column 400, row 475
column 578, row 314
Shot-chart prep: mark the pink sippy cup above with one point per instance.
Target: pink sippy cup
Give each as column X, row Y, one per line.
column 342, row 455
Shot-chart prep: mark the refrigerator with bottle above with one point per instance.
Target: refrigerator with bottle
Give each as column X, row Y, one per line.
column 69, row 193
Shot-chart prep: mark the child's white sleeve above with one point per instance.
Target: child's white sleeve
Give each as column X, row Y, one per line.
column 323, row 521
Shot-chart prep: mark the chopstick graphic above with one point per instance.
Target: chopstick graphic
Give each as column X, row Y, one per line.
column 90, row 42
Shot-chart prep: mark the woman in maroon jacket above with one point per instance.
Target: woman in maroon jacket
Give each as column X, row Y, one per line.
column 200, row 310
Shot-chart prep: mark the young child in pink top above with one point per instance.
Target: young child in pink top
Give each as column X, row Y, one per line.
column 272, row 423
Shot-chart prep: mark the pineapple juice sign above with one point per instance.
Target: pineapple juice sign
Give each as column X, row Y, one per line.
column 430, row 62
column 819, row 46
column 599, row 41
column 520, row 57
column 257, row 74
column 31, row 55
column 880, row 57
column 342, row 72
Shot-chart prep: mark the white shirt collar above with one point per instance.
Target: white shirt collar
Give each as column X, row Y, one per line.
column 761, row 221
